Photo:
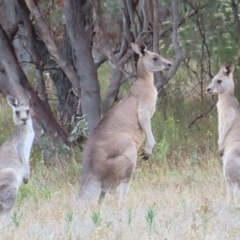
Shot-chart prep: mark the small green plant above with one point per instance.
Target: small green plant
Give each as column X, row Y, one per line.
column 162, row 150
column 96, row 218
column 26, row 191
column 46, row 192
column 16, row 218
column 49, row 148
column 204, row 213
column 129, row 217
column 108, row 223
column 150, row 218
column 69, row 219
column 80, row 129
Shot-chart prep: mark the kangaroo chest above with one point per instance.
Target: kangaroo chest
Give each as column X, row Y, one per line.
column 154, row 101
column 24, row 145
column 28, row 144
column 149, row 100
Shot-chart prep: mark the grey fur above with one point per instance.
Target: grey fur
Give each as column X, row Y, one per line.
column 228, row 128
column 110, row 154
column 15, row 153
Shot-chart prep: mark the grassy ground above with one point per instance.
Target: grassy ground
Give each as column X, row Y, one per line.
column 186, row 203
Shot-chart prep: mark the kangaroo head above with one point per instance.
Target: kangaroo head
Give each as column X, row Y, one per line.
column 153, row 62
column 21, row 115
column 223, row 81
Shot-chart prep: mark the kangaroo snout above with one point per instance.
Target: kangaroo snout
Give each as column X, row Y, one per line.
column 208, row 90
column 24, row 120
column 168, row 65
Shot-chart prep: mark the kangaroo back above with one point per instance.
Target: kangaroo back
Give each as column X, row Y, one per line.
column 15, row 153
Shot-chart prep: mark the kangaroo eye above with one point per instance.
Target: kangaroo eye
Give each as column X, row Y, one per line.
column 27, row 111
column 155, row 59
column 219, row 81
column 17, row 112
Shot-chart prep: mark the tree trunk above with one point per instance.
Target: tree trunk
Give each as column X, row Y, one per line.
column 67, row 100
column 78, row 23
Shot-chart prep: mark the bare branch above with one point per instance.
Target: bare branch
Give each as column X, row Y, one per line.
column 202, row 115
column 105, row 40
column 162, row 34
column 175, row 42
column 146, row 7
column 126, row 21
column 203, row 41
column 51, row 46
column 104, row 59
column 12, row 31
column 131, row 15
column 155, row 26
column 40, row 68
column 235, row 14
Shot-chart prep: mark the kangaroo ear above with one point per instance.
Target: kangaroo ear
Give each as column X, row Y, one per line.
column 228, row 68
column 139, row 49
column 12, row 101
column 25, row 98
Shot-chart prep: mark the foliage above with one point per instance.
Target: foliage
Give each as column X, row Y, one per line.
column 80, row 129
column 16, row 218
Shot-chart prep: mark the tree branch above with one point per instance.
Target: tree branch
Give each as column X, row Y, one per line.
column 131, row 16
column 104, row 59
column 156, row 26
column 105, row 40
column 40, row 68
column 66, row 67
column 203, row 41
column 183, row 20
column 12, row 31
column 234, row 6
column 202, row 115
column 175, row 42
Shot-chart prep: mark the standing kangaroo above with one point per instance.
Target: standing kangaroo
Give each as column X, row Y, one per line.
column 15, row 153
column 110, row 154
column 228, row 127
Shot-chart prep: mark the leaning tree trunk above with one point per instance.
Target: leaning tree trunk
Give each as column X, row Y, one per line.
column 67, row 101
column 79, row 24
column 8, row 12
column 27, row 33
column 18, row 82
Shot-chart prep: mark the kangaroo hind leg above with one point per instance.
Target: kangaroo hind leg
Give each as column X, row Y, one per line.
column 8, row 190
column 131, row 155
column 101, row 197
column 89, row 188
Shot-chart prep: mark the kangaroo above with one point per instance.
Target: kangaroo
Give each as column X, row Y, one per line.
column 228, row 127
column 110, row 153
column 15, row 153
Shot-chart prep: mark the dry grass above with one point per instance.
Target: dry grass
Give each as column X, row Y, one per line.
column 179, row 204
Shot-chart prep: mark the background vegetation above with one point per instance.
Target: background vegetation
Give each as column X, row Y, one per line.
column 179, row 193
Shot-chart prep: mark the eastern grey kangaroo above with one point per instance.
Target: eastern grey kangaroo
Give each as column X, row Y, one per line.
column 228, row 127
column 15, row 153
column 110, row 154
